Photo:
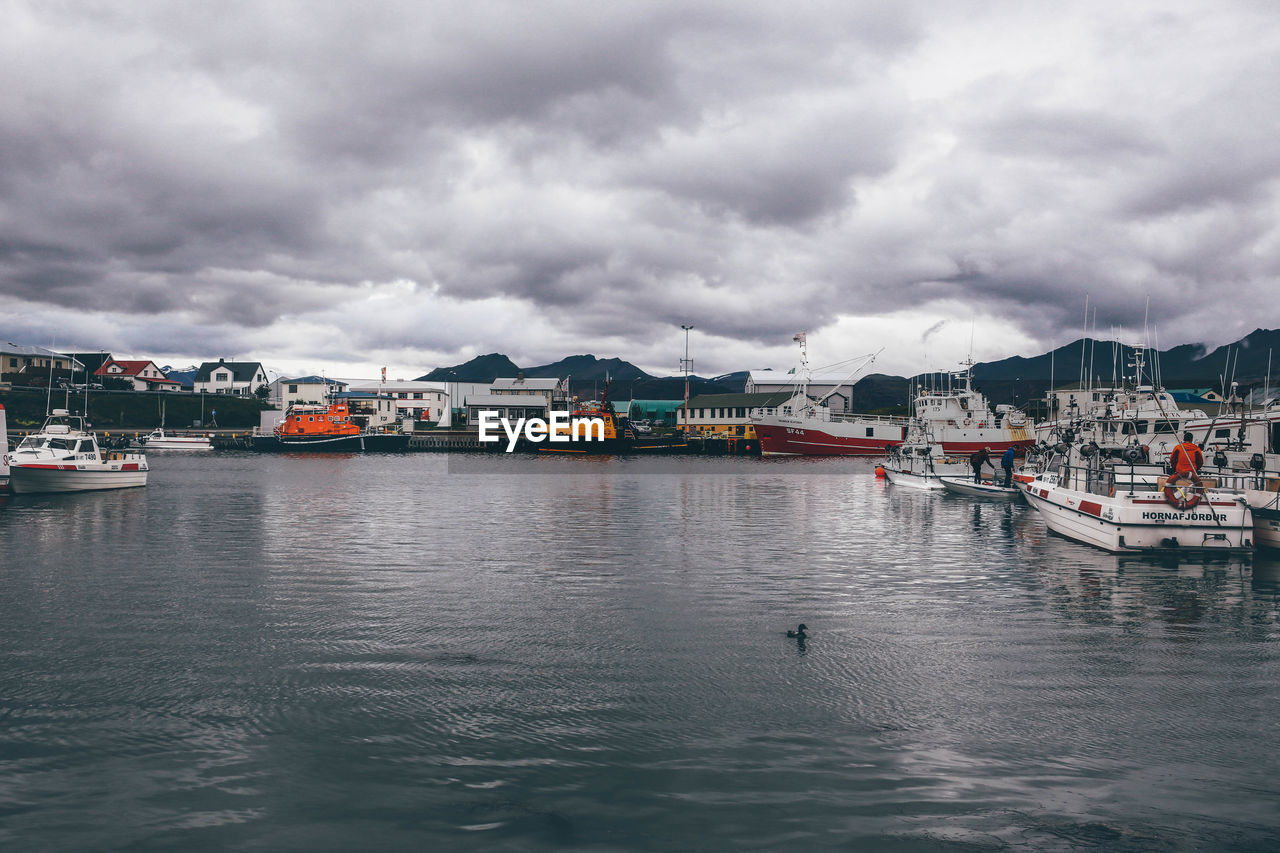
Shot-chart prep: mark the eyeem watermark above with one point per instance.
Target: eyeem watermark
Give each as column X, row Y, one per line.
column 560, row 429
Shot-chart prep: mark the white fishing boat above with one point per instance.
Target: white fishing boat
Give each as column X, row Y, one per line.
column 4, row 452
column 985, row 489
column 920, row 463
column 1113, row 497
column 959, row 419
column 1258, row 479
column 158, row 439
column 1265, row 506
column 64, row 456
column 1136, row 410
column 806, row 426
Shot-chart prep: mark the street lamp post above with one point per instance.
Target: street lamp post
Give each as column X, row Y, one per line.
column 686, row 364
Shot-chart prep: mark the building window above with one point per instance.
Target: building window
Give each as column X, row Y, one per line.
column 293, row 389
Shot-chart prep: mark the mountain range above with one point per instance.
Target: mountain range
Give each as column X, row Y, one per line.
column 1017, row 379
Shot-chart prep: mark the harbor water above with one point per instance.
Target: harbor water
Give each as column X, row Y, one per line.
column 422, row 652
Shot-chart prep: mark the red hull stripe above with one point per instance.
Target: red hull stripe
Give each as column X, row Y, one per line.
column 812, row 442
column 1091, row 507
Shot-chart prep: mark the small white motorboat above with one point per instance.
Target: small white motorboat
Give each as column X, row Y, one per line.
column 64, row 457
column 4, row 453
column 158, row 439
column 985, row 489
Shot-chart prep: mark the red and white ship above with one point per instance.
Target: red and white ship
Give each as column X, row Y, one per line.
column 956, row 417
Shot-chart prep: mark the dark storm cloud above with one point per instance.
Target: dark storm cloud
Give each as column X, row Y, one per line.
column 428, row 177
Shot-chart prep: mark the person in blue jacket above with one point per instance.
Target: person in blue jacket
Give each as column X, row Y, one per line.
column 1006, row 462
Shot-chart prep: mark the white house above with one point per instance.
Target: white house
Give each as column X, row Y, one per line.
column 546, row 388
column 142, row 375
column 31, row 361
column 418, row 399
column 727, row 414
column 239, row 378
column 840, row 388
column 303, row 389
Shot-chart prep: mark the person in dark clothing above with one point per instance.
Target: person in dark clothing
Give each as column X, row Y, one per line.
column 979, row 458
column 1006, row 462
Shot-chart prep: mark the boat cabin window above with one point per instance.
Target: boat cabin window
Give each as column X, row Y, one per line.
column 31, row 442
column 1140, row 427
column 62, row 444
column 1165, row 427
column 1222, row 433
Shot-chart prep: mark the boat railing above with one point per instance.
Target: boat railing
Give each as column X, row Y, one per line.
column 1110, row 477
column 825, row 415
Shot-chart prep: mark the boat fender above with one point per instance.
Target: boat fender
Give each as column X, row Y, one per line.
column 1180, row 497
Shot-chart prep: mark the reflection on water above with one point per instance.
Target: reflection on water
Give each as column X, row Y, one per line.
column 340, row 652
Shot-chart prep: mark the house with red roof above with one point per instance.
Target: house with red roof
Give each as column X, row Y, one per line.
column 144, row 375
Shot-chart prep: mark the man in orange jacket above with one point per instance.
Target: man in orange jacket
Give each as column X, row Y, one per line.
column 1186, row 457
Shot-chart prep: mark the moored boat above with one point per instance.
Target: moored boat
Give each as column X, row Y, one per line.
column 921, row 464
column 64, row 456
column 958, row 418
column 4, row 452
column 1112, row 497
column 158, row 439
column 985, row 489
column 330, row 428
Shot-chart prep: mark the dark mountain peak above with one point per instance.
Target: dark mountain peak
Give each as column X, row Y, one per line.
column 482, row 368
column 584, row 367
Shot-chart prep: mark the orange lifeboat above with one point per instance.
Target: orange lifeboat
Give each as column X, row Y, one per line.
column 312, row 421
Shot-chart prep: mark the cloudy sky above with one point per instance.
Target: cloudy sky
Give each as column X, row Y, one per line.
column 342, row 185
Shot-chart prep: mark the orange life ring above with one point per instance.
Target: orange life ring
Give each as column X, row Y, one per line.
column 966, row 421
column 1180, row 497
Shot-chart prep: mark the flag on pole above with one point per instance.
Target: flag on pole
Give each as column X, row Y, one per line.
column 800, row 337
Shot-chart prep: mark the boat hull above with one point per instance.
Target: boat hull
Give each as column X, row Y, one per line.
column 1143, row 522
column 369, row 443
column 53, row 478
column 963, row 486
column 180, row 444
column 1265, row 506
column 801, row 438
column 914, row 479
